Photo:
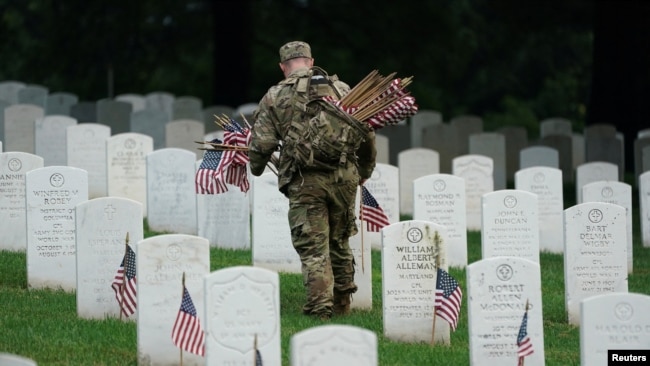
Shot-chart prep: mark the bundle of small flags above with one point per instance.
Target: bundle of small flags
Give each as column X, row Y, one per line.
column 224, row 161
column 378, row 100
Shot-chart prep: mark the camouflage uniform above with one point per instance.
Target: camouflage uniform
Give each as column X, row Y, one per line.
column 321, row 203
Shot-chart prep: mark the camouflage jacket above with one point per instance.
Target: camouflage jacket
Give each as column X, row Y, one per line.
column 271, row 121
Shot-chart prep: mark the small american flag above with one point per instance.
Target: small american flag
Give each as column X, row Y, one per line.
column 126, row 289
column 523, row 340
column 448, row 298
column 234, row 161
column 209, row 177
column 187, row 332
column 371, row 213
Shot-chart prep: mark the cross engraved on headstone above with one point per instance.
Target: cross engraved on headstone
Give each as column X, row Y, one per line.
column 173, row 252
column 109, row 211
column 414, row 235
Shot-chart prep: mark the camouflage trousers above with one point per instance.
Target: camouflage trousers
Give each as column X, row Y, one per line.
column 322, row 218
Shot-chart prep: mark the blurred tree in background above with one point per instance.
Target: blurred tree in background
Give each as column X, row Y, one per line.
column 510, row 62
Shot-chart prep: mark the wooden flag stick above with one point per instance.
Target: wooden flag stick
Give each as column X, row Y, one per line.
column 352, row 95
column 433, row 327
column 363, row 269
column 124, row 260
column 245, row 121
column 182, row 295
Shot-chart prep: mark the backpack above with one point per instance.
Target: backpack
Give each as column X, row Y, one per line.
column 322, row 137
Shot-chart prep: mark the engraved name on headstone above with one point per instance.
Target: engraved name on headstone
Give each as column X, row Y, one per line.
column 411, row 254
column 440, row 198
column 499, row 290
column 101, row 226
column 546, row 183
column 510, row 225
column 595, row 254
column 13, row 224
column 52, row 193
column 161, row 262
column 242, row 303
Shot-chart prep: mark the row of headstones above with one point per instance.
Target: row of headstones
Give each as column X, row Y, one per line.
column 25, row 129
column 462, row 135
column 465, row 135
column 163, row 182
column 28, row 130
column 238, row 304
column 116, row 111
column 53, row 192
column 511, row 227
column 60, row 141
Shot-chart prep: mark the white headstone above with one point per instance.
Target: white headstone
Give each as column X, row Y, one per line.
column 241, row 303
column 578, row 148
column 614, row 322
column 593, row 172
column 7, row 359
column 546, row 183
column 13, row 224
column 271, row 241
column 171, row 201
column 224, row 219
column 440, row 198
column 362, row 251
column 383, row 184
column 492, row 145
column 50, row 138
column 101, row 226
column 644, row 207
column 595, row 258
column 161, row 101
column 334, row 345
column 411, row 254
column 19, row 127
column 187, row 107
column 534, row 156
column 52, row 193
column 150, row 122
column 555, row 126
column 59, row 103
column 476, row 170
column 510, row 225
column 383, row 151
column 160, row 263
column 137, row 101
column 412, row 164
column 499, row 289
column 183, row 133
column 86, row 149
column 420, row 121
column 115, row 114
column 9, row 90
column 127, row 166
column 618, row 193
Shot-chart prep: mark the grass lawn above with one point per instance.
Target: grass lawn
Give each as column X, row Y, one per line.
column 43, row 325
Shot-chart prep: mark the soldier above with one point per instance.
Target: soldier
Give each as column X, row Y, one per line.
column 321, row 200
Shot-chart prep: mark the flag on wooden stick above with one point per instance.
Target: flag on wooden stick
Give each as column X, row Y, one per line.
column 448, row 298
column 124, row 283
column 187, row 332
column 371, row 212
column 524, row 344
column 378, row 100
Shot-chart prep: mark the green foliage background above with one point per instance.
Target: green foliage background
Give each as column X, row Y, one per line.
column 509, row 62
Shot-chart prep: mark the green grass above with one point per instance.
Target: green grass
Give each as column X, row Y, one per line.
column 43, row 325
